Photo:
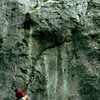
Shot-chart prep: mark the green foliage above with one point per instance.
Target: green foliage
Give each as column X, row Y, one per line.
column 33, row 9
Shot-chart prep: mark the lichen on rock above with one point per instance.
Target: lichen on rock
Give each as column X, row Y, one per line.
column 50, row 49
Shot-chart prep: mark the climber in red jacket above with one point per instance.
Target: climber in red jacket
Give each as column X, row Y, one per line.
column 20, row 95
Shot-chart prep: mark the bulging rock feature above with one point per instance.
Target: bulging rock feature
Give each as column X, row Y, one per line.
column 50, row 49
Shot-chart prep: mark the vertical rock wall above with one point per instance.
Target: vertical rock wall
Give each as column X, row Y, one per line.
column 50, row 49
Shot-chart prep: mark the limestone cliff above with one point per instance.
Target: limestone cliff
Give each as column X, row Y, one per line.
column 50, row 49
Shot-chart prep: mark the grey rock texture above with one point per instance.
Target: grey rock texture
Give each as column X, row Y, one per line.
column 50, row 49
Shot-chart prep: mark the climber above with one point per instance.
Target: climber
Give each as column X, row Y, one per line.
column 20, row 95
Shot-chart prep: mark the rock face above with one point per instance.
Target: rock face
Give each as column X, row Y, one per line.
column 50, row 49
